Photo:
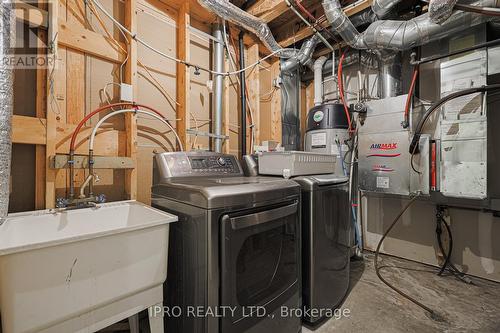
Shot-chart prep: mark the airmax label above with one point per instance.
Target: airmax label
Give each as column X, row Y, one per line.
column 384, row 147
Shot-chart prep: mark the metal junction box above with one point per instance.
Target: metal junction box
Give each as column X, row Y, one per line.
column 463, row 129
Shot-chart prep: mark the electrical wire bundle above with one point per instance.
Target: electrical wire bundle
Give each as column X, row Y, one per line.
column 447, row 265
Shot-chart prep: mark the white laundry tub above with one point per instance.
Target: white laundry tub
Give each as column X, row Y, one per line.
column 81, row 270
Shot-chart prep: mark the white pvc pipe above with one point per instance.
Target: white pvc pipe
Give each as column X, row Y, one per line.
column 112, row 114
column 318, row 80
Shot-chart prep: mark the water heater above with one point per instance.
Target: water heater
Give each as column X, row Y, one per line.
column 327, row 131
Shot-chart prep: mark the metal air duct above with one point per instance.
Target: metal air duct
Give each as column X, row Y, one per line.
column 441, row 10
column 367, row 60
column 383, row 8
column 400, row 35
column 7, row 31
column 389, row 66
column 304, row 55
column 231, row 13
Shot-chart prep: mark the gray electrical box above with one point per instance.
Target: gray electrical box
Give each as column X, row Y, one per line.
column 463, row 128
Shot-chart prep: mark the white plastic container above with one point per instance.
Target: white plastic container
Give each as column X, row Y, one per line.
column 82, row 270
column 296, row 163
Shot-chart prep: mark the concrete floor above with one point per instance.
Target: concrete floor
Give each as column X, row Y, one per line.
column 374, row 307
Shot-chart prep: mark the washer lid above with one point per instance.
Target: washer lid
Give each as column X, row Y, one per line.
column 219, row 192
column 316, row 181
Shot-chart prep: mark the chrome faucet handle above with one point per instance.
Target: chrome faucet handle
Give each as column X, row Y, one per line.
column 62, row 202
column 96, row 178
column 101, row 198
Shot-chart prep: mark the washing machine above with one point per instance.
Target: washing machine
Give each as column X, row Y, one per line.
column 235, row 253
column 326, row 243
column 327, row 234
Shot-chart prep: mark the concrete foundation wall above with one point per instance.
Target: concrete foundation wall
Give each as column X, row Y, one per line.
column 475, row 247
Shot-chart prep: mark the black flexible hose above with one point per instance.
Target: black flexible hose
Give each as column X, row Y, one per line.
column 435, row 106
column 439, row 221
column 448, row 265
column 377, row 252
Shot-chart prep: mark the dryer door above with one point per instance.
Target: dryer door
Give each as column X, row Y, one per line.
column 260, row 261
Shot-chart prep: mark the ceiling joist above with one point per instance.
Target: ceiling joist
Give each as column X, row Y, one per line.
column 268, row 10
column 306, row 32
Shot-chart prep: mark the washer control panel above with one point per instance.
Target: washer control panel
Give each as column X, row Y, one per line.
column 188, row 164
column 212, row 163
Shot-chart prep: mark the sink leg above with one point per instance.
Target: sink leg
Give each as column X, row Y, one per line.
column 133, row 323
column 156, row 321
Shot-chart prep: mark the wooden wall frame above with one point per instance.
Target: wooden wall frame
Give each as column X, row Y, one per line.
column 46, row 128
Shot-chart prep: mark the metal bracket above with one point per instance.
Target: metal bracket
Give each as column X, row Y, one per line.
column 210, row 135
column 60, row 161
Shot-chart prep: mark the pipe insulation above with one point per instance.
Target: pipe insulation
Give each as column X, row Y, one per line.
column 441, row 10
column 7, row 28
column 318, row 80
column 400, row 35
column 233, row 14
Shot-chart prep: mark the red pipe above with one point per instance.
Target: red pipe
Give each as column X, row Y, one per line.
column 316, row 24
column 433, row 166
column 104, row 108
column 341, row 91
column 79, row 127
column 410, row 93
column 305, row 11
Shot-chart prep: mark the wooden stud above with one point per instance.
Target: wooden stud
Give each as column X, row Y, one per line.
column 87, row 41
column 109, row 142
column 307, row 31
column 310, row 96
column 41, row 112
column 183, row 75
column 50, row 147
column 253, row 85
column 75, row 86
column 276, row 124
column 268, row 10
column 303, row 113
column 131, row 78
column 34, row 16
column 29, row 130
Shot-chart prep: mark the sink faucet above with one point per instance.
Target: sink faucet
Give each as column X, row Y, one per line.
column 83, row 201
column 86, row 183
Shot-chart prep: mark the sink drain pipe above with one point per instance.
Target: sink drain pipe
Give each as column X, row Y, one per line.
column 7, row 29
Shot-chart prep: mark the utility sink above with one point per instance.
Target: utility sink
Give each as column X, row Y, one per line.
column 82, row 270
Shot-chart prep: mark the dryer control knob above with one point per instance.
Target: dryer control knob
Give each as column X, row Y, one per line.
column 221, row 161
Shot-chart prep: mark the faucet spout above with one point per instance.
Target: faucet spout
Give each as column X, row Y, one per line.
column 84, row 185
